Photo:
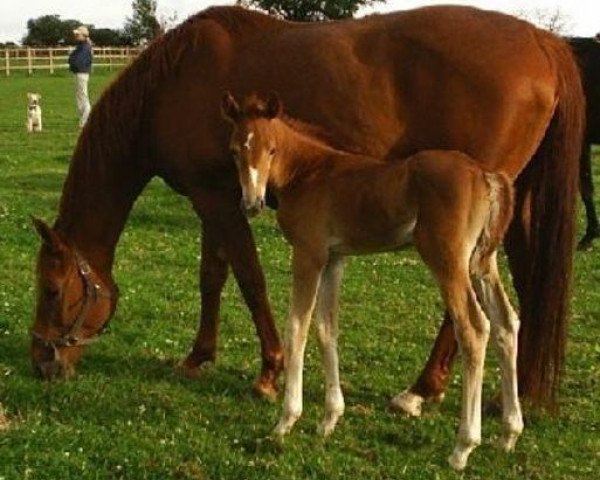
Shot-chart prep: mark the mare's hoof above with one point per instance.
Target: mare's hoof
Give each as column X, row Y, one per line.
column 408, row 403
column 187, row 370
column 266, row 389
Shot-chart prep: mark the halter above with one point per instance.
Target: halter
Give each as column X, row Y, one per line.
column 92, row 293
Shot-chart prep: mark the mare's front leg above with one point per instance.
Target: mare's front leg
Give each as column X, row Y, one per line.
column 328, row 331
column 229, row 234
column 213, row 274
column 306, row 271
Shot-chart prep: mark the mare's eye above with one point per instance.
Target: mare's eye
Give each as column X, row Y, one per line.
column 235, row 155
column 52, row 293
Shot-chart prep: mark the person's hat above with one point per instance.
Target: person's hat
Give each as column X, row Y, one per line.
column 82, row 30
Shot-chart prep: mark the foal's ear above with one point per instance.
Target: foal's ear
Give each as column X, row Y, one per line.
column 49, row 236
column 230, row 108
column 273, row 106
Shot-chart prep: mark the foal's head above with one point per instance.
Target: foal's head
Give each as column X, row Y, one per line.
column 253, row 145
column 74, row 305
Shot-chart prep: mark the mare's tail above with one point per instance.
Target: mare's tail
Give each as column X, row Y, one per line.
column 551, row 181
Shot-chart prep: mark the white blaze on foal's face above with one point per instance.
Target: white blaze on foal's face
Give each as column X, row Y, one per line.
column 253, row 160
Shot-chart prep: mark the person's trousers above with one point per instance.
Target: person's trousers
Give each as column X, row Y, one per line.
column 81, row 97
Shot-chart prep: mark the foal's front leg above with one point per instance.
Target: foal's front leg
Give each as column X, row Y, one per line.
column 306, row 271
column 327, row 324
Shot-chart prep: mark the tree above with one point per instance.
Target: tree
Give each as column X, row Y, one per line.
column 309, row 10
column 107, row 37
column 553, row 20
column 49, row 30
column 143, row 25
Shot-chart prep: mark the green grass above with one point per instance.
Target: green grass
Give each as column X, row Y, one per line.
column 127, row 415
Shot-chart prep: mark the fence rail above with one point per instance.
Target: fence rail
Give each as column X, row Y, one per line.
column 52, row 59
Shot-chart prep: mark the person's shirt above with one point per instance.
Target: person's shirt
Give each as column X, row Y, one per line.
column 80, row 60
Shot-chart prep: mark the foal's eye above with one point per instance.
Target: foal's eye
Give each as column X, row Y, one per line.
column 272, row 151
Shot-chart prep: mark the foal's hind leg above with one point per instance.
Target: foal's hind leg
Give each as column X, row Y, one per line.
column 327, row 324
column 505, row 328
column 447, row 259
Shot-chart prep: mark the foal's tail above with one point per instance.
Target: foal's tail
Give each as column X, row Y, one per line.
column 551, row 181
column 500, row 212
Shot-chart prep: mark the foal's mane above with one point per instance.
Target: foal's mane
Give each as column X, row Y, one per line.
column 254, row 106
column 114, row 137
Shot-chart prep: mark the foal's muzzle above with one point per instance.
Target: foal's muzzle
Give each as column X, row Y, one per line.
column 251, row 208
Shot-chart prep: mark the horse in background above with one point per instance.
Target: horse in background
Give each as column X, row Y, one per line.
column 587, row 51
column 332, row 204
column 387, row 85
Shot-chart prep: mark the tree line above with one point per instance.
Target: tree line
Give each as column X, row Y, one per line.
column 144, row 24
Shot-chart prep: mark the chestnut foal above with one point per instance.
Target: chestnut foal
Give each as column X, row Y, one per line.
column 333, row 203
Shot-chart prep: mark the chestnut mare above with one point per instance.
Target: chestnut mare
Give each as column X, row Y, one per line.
column 454, row 78
column 332, row 204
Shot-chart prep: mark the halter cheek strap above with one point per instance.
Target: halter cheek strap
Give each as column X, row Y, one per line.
column 92, row 293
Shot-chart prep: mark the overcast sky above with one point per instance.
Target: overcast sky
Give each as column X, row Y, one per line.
column 583, row 15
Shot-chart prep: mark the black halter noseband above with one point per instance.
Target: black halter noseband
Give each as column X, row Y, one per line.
column 92, row 293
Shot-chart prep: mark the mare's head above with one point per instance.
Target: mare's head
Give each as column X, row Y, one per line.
column 74, row 305
column 253, row 145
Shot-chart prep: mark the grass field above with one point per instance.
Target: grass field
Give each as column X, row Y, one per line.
column 127, row 415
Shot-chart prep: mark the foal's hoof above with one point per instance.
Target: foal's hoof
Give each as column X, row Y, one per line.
column 266, row 389
column 407, row 402
column 458, row 461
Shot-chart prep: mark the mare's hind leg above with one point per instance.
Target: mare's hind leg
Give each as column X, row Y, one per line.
column 223, row 219
column 327, row 324
column 505, row 329
column 213, row 274
column 433, row 380
column 586, row 188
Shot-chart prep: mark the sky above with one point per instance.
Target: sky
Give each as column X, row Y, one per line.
column 583, row 15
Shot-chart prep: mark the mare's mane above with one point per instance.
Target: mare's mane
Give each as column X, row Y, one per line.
column 114, row 133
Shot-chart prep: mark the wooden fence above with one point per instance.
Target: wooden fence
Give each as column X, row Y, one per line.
column 53, row 59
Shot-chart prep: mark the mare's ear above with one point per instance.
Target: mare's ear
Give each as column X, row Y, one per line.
column 273, row 106
column 49, row 236
column 230, row 108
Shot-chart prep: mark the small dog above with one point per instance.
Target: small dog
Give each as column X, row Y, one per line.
column 34, row 112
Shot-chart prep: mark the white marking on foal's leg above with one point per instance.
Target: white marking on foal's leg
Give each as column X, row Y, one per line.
column 472, row 327
column 327, row 323
column 304, row 293
column 505, row 329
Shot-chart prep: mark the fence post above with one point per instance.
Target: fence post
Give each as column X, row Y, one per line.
column 7, row 59
column 29, row 69
column 51, row 58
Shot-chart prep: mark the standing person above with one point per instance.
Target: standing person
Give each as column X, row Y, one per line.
column 80, row 63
